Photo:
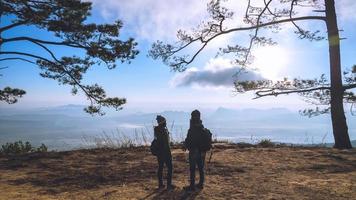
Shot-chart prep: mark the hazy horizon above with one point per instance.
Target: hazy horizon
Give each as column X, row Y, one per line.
column 68, row 126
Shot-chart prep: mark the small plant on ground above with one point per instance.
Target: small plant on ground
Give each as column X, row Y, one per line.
column 266, row 143
column 19, row 147
column 244, row 145
column 42, row 148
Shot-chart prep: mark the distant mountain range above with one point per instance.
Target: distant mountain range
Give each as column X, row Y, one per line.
column 69, row 123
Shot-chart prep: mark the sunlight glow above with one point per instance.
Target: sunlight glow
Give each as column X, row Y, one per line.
column 270, row 61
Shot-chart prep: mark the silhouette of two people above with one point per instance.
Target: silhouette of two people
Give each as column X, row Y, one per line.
column 195, row 142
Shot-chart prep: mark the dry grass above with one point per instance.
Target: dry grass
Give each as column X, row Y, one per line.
column 234, row 173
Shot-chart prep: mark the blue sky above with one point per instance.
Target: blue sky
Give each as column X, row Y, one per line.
column 149, row 85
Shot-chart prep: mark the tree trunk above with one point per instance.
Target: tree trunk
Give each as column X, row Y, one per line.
column 340, row 130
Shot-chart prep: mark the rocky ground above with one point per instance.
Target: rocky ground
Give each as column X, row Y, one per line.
column 233, row 173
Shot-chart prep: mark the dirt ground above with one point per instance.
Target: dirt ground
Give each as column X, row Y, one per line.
column 234, row 173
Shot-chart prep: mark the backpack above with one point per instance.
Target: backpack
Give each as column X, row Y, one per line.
column 206, row 140
column 154, row 147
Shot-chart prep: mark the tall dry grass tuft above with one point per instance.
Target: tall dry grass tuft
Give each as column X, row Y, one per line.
column 137, row 137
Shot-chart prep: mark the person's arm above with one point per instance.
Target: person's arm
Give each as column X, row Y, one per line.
column 155, row 132
column 159, row 137
column 188, row 140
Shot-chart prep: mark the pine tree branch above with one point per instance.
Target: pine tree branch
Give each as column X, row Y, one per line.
column 63, row 43
column 183, row 61
column 18, row 58
column 269, row 10
column 255, row 34
column 272, row 23
column 350, row 86
column 64, row 70
column 25, row 54
column 2, row 29
column 272, row 92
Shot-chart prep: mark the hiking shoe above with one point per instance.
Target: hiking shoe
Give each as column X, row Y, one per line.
column 189, row 188
column 200, row 186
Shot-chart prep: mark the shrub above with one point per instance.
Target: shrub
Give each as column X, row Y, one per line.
column 19, row 147
column 266, row 143
column 244, row 145
column 42, row 148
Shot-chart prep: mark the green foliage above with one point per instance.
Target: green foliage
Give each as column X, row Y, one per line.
column 42, row 148
column 244, row 145
column 19, row 147
column 10, row 95
column 266, row 143
column 93, row 44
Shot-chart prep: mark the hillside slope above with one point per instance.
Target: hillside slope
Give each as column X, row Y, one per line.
column 234, row 173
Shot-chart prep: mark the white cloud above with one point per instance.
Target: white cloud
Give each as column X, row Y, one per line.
column 154, row 19
column 345, row 9
column 217, row 73
column 160, row 19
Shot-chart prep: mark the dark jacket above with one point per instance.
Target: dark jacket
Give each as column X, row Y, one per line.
column 162, row 135
column 194, row 136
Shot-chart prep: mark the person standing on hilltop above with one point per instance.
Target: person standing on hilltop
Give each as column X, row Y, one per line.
column 160, row 147
column 198, row 142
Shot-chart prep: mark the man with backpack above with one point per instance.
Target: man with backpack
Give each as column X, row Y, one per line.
column 160, row 147
column 198, row 142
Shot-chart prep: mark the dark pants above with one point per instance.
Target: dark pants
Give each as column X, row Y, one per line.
column 167, row 160
column 196, row 157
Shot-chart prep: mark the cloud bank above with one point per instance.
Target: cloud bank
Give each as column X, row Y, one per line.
column 154, row 19
column 217, row 73
column 160, row 19
column 345, row 9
